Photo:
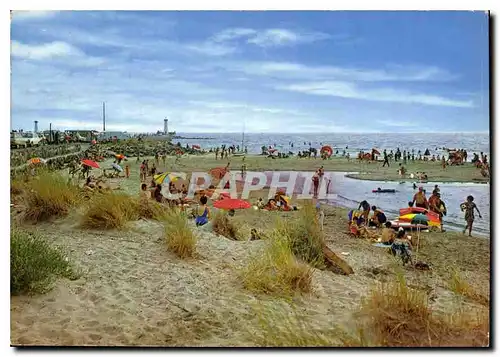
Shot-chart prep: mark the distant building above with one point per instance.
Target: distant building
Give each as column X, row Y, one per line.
column 111, row 134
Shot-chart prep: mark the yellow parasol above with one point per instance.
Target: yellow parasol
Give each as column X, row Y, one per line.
column 160, row 178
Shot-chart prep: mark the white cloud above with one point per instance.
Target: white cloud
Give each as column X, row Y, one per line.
column 283, row 37
column 41, row 52
column 19, row 15
column 290, row 70
column 352, row 91
column 232, row 34
column 211, row 49
column 226, row 42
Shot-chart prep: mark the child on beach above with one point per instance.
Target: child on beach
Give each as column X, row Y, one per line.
column 388, row 234
column 144, row 191
column 203, row 217
column 469, row 206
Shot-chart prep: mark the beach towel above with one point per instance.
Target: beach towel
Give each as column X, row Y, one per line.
column 382, row 245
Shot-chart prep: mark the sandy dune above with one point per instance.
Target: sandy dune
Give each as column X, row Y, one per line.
column 134, row 292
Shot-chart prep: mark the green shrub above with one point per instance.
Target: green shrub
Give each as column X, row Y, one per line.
column 34, row 263
column 110, row 211
column 223, row 226
column 179, row 237
column 48, row 195
column 305, row 237
column 276, row 271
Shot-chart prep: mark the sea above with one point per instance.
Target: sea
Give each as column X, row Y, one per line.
column 350, row 192
column 435, row 142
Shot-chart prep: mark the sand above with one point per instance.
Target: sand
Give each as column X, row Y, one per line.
column 132, row 291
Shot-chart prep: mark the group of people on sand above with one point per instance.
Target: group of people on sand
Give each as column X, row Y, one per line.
column 224, row 151
column 434, row 203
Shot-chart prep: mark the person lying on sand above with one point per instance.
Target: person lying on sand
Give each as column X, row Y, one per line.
column 89, row 185
column 271, row 205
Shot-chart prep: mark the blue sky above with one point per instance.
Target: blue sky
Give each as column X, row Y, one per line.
column 270, row 71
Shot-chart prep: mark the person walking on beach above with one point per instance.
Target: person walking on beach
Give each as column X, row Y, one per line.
column 143, row 171
column 127, row 171
column 216, row 153
column 469, row 206
column 437, row 205
column 443, row 163
column 315, row 180
column 386, row 159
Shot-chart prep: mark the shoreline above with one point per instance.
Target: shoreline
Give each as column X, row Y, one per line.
column 362, row 178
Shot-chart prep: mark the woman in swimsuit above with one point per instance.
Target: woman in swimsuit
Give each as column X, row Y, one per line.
column 202, row 219
column 469, row 206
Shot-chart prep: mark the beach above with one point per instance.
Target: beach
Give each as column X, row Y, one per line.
column 133, row 292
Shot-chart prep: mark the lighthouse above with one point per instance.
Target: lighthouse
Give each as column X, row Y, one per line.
column 165, row 126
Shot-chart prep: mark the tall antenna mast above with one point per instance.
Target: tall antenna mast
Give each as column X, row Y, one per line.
column 103, row 116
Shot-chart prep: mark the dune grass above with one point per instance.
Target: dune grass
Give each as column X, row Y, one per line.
column 48, row 196
column 224, row 226
column 151, row 209
column 17, row 187
column 392, row 315
column 282, row 325
column 276, row 271
column 399, row 316
column 306, row 240
column 34, row 264
column 179, row 237
column 110, row 211
column 460, row 286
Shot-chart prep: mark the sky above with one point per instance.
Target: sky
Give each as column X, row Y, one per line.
column 290, row 72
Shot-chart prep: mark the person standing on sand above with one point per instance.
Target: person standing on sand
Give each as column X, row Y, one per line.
column 127, row 171
column 145, row 192
column 468, row 206
column 436, row 205
column 419, row 199
column 443, row 163
column 143, row 171
column 315, row 180
column 216, row 153
column 386, row 159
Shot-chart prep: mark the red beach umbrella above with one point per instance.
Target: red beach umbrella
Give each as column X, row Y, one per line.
column 375, row 151
column 327, row 149
column 218, row 172
column 91, row 163
column 232, row 203
column 195, row 146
